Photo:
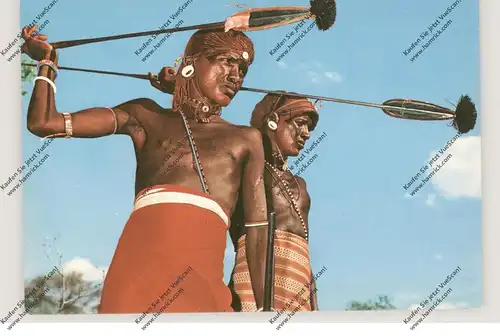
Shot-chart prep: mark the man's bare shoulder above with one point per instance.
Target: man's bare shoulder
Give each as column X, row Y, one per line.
column 143, row 105
column 242, row 133
column 303, row 187
column 251, row 135
column 301, row 181
column 244, row 137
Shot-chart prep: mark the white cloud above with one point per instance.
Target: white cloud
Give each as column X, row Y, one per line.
column 319, row 78
column 438, row 257
column 404, row 298
column 314, row 76
column 315, row 71
column 84, row 266
column 431, row 200
column 282, row 65
column 461, row 175
column 317, row 64
column 333, row 76
column 301, row 66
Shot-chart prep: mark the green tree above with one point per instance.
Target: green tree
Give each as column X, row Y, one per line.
column 62, row 294
column 27, row 74
column 382, row 302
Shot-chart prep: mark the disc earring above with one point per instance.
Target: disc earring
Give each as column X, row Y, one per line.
column 188, row 71
column 273, row 126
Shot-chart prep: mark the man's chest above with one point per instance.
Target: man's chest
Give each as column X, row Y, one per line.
column 213, row 145
column 287, row 190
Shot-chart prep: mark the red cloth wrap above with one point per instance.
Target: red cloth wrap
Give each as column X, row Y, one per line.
column 168, row 245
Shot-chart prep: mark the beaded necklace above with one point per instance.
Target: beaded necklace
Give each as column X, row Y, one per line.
column 196, row 155
column 289, row 193
column 199, row 106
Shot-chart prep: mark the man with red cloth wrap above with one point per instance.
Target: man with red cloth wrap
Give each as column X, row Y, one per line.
column 191, row 168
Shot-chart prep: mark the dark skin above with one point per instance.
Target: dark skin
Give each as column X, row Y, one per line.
column 164, row 81
column 256, row 238
column 290, row 138
column 232, row 156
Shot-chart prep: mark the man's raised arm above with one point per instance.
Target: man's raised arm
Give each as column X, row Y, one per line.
column 43, row 118
column 254, row 205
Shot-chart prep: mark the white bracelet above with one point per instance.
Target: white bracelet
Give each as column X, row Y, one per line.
column 255, row 224
column 262, row 309
column 48, row 63
column 115, row 120
column 68, row 125
column 47, row 80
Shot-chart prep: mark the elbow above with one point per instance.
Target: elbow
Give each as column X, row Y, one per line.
column 37, row 129
column 42, row 127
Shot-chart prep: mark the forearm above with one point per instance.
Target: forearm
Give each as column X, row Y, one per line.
column 314, row 297
column 44, row 120
column 42, row 114
column 255, row 209
column 314, row 301
column 256, row 244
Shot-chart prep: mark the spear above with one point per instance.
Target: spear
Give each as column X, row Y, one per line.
column 323, row 12
column 463, row 118
column 269, row 277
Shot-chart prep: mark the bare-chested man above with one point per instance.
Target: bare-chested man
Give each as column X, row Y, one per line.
column 170, row 254
column 285, row 123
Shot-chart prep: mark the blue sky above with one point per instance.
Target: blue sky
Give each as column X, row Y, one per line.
column 372, row 237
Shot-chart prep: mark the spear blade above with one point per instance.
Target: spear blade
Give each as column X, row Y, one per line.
column 416, row 110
